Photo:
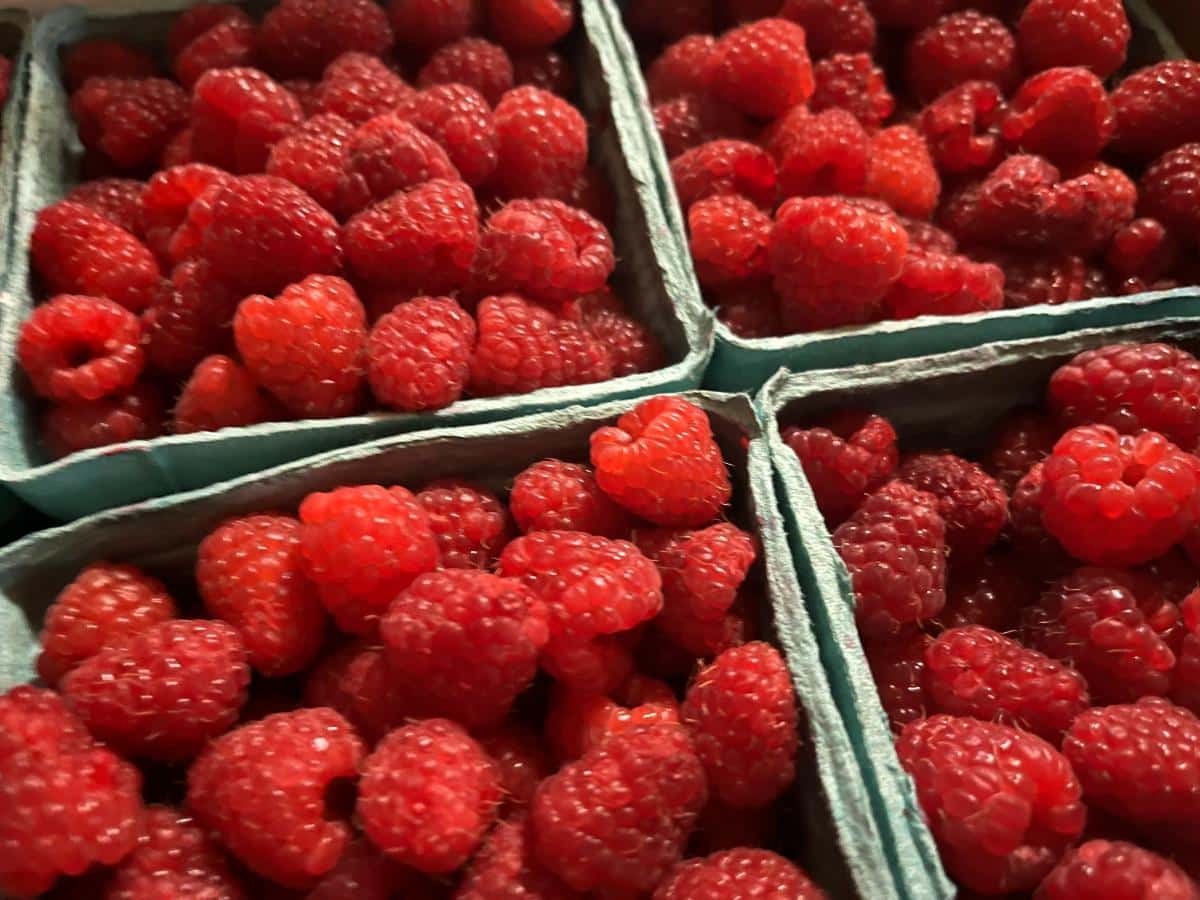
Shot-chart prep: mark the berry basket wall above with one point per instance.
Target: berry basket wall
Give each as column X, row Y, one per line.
column 841, row 847
column 949, row 400
column 651, row 276
column 741, row 364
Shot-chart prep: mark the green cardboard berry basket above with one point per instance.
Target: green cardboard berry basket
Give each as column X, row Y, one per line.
column 835, row 834
column 741, row 364
column 651, row 276
column 949, row 400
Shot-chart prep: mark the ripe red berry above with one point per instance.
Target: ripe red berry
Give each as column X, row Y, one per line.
column 472, row 61
column 741, row 872
column 176, row 858
column 139, row 414
column 1062, row 114
column 468, row 522
column 429, row 24
column 522, row 760
column 220, row 393
column 961, row 127
column 217, row 36
column 973, row 506
column 690, row 120
column 724, row 167
column 530, row 24
column 1022, row 439
column 386, row 155
column 541, row 142
column 684, row 67
column 826, row 153
column 1170, row 191
column 237, row 115
column 505, row 865
column 959, row 47
column 1142, row 249
column 763, row 68
column 832, row 26
column 898, row 669
column 358, row 87
column 1103, row 868
column 117, row 199
column 299, row 38
column 356, row 682
column 631, row 345
column 418, row 355
column 1156, row 109
column 552, row 495
column 460, row 120
column 852, row 81
column 902, row 173
column 1091, row 33
column 936, row 284
column 728, row 238
column 164, row 206
column 576, row 721
column 129, row 120
column 105, row 58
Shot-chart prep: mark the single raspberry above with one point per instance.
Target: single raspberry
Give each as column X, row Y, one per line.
column 670, row 20
column 189, row 320
column 1023, row 438
column 725, row 167
column 313, row 157
column 684, row 67
column 387, row 155
column 76, row 250
column 1142, row 249
column 961, row 127
column 471, row 61
column 902, row 173
column 421, row 240
column 418, row 355
column 262, row 789
column 898, row 669
column 577, row 722
column 691, row 120
column 852, row 81
column 221, row 394
column 1116, row 870
column 845, row 458
column 363, row 545
column 459, row 119
column 702, row 570
column 524, row 347
column 1157, row 109
column 358, row 87
column 522, row 761
column 173, row 858
column 1035, row 278
column 105, row 58
column 972, row 504
column 220, row 36
column 1026, row 530
column 832, row 26
column 739, row 873
column 1002, row 803
column 1062, row 114
column 592, row 667
column 530, row 24
column 944, row 285
column 429, row 24
column 164, row 206
column 299, row 38
column 990, row 592
column 356, row 682
column 427, row 796
column 505, row 867
column 237, row 115
column 705, row 640
column 363, row 873
column 749, row 311
column 632, row 347
column 80, row 348
column 1091, row 33
column 661, row 462
column 552, row 495
column 626, row 828
column 728, row 238
column 117, row 199
column 826, row 153
column 67, row 803
column 1170, row 191
column 193, row 23
column 762, row 68
column 909, row 13
column 139, row 414
column 541, row 141
column 545, row 69
column 468, row 522
column 959, row 47
column 928, row 237
column 129, row 120
column 833, row 261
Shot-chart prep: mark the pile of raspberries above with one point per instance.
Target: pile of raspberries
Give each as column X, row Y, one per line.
column 422, row 695
column 1032, row 621
column 841, row 162
column 339, row 208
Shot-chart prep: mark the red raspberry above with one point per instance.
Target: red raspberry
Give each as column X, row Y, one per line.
column 66, row 803
column 898, row 668
column 1003, row 803
column 80, row 348
column 363, row 873
column 421, row 240
column 901, row 172
column 505, row 867
column 429, row 24
column 362, row 546
column 990, row 592
column 418, row 356
column 545, row 69
column 1062, row 114
column 356, row 682
column 459, row 119
column 763, row 68
column 262, row 789
column 1170, row 191
column 632, row 347
column 959, row 47
column 552, row 495
column 1116, row 870
column 1136, row 761
column 249, row 573
column 671, row 20
column 894, row 547
column 684, row 67
column 851, row 81
column 521, row 760
column 592, row 667
column 738, row 873
column 826, row 153
column 427, row 796
column 76, row 250
column 944, row 285
column 387, row 155
column 577, row 722
column 1142, row 249
column 724, row 167
column 129, row 120
column 173, row 858
column 105, row 58
column 221, row 394
column 1023, row 438
column 973, row 506
column 618, row 818
column 189, row 320
column 524, row 347
column 530, row 24
column 358, row 87
column 137, row 415
column 1091, row 33
column 691, row 120
column 749, row 311
column 473, row 62
column 164, row 206
column 469, row 523
column 1034, row 278
column 928, row 237
column 1185, row 688
column 832, row 26
column 541, row 140
column 909, row 13
column 960, row 127
column 702, row 570
column 1157, row 109
column 728, row 238
column 833, row 261
column 661, row 463
column 237, row 115
column 299, row 38
column 203, row 38
column 193, row 23
column 117, row 199
column 1028, row 533
column 313, row 158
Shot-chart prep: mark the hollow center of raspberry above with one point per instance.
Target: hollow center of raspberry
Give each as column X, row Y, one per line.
column 341, row 795
column 78, row 355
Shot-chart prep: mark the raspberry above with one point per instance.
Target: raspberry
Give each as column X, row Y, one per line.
column 521, row 760
column 1142, row 249
column 928, row 237
column 852, row 82
column 505, row 867
column 117, row 199
column 1170, row 191
column 691, row 120
column 671, row 20
column 724, row 167
column 137, row 415
column 959, row 47
column 826, row 153
column 1002, row 803
column 1031, row 279
column 738, row 873
column 552, row 495
column 577, row 722
column 429, row 24
column 524, row 347
column 473, row 62
column 541, row 141
column 944, row 285
column 459, row 119
column 174, row 858
column 990, row 592
column 363, row 545
column 909, row 13
column 832, row 26
column 164, row 206
column 195, row 22
column 221, row 394
column 104, row 58
column 844, row 459
column 76, row 250
column 80, row 348
column 1028, row 533
column 592, row 667
column 701, row 570
column 961, row 127
column 358, row 87
column 545, row 69
column 618, row 818
column 312, row 157
column 299, row 38
column 421, row 240
column 728, row 238
column 68, row 803
column 749, row 311
column 418, row 355
column 530, row 24
column 469, row 523
column 237, row 115
column 1157, row 109
column 356, row 682
column 898, row 668
column 105, row 603
column 129, row 120
column 1116, row 870
column 1062, row 114
column 661, row 463
column 972, row 505
column 684, row 67
column 262, row 789
column 833, row 261
column 762, row 68
column 632, row 347
column 220, row 37
column 387, row 155
column 189, row 320
column 427, row 796
column 1091, row 33
column 1022, row 439
column 363, row 873
column 902, row 173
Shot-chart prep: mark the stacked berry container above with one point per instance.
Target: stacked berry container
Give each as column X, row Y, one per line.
column 650, row 280
column 238, row 545
column 906, row 109
column 978, row 550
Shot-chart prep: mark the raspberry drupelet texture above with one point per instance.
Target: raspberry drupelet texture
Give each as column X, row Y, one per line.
column 418, row 356
column 1034, row 278
column 428, row 795
column 1091, row 33
column 472, row 61
column 749, row 310
column 362, row 546
column 832, row 26
column 1157, row 109
column 386, row 155
column 545, row 69
column 363, row 873
column 690, row 120
column 117, row 199
column 429, row 24
column 971, row 502
column 728, row 238
column 221, row 393
column 852, row 81
column 632, row 347
column 661, row 462
column 262, row 789
column 1170, row 191
column 204, row 38
column 359, row 87
column 1117, row 870
column 725, row 167
column 530, row 24
column 67, row 803
column 825, row 153
column 762, row 67
column 249, row 573
column 137, row 415
column 522, row 760
column 576, row 722
column 1022, row 438
column 898, row 669
column 460, row 120
column 961, row 127
column 299, row 38
column 901, row 172
column 541, row 144
column 937, row 284
column 129, row 120
column 356, row 682
column 105, row 58
column 505, row 867
column 1062, row 114
column 1143, row 249
column 468, row 522
column 684, row 67
column 552, row 495
column 894, row 547
column 742, row 873
column 701, row 571
column 959, row 47
column 164, row 206
column 618, row 818
column 237, row 115
column 191, row 318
